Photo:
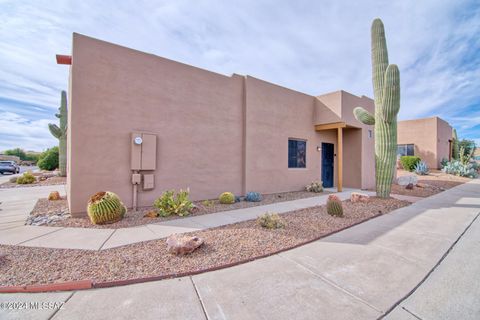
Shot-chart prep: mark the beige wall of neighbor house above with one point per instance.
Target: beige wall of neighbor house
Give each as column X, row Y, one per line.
column 430, row 137
column 214, row 133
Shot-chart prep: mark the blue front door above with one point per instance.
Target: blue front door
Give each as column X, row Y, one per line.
column 327, row 165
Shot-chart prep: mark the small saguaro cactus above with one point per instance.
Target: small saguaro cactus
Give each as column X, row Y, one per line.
column 334, row 206
column 455, row 148
column 386, row 87
column 61, row 134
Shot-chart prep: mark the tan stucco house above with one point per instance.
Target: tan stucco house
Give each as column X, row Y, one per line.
column 139, row 124
column 428, row 138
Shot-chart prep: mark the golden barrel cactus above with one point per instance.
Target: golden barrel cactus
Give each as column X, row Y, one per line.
column 105, row 207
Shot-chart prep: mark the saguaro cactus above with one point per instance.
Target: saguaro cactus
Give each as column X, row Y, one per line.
column 61, row 134
column 386, row 87
column 455, row 148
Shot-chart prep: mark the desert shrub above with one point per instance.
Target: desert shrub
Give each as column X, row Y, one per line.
column 465, row 156
column 253, row 197
column 458, row 168
column 271, row 221
column 177, row 204
column 409, row 162
column 227, row 198
column 208, row 203
column 315, row 186
column 48, row 160
column 421, row 168
column 26, row 178
column 334, row 206
column 13, row 179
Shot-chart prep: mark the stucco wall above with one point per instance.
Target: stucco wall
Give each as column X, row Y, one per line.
column 430, row 137
column 275, row 114
column 195, row 114
column 444, row 134
column 214, row 133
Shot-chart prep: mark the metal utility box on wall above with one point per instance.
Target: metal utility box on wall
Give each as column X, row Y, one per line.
column 144, row 151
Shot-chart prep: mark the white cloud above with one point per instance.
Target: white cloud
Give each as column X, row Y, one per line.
column 313, row 47
column 16, row 130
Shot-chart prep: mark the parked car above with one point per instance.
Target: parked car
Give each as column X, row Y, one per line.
column 9, row 166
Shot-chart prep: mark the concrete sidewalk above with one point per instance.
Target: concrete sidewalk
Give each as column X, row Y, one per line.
column 359, row 273
column 22, row 200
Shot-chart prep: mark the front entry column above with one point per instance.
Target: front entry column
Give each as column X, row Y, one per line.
column 339, row 159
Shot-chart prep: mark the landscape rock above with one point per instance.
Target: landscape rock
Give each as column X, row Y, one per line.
column 54, row 195
column 151, row 214
column 409, row 186
column 422, row 185
column 408, row 179
column 359, row 197
column 182, row 245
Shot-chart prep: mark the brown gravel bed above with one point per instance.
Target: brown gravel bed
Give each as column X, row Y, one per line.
column 136, row 218
column 49, row 182
column 225, row 245
column 433, row 183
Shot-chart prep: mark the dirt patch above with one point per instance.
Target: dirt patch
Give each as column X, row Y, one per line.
column 136, row 218
column 428, row 185
column 48, row 182
column 224, row 245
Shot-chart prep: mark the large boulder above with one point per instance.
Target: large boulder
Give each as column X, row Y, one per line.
column 181, row 245
column 407, row 179
column 359, row 197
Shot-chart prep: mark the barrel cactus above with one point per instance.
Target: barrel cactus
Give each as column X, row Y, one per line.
column 227, row 198
column 253, row 197
column 105, row 207
column 61, row 134
column 334, row 206
column 386, row 87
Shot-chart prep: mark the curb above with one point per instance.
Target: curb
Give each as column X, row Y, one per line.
column 62, row 286
column 89, row 284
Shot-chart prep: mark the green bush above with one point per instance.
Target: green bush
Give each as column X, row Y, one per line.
column 48, row 160
column 227, row 198
column 409, row 162
column 26, row 178
column 170, row 203
column 271, row 221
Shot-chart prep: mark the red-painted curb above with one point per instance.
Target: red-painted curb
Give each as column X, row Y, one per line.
column 89, row 284
column 62, row 286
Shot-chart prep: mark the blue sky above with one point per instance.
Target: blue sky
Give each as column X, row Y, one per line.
column 310, row 46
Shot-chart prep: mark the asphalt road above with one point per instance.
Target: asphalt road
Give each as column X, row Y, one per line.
column 5, row 177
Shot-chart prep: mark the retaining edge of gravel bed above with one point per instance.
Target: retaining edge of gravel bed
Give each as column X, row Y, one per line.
column 89, row 284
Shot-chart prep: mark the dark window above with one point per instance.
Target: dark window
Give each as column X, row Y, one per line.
column 297, row 150
column 405, row 150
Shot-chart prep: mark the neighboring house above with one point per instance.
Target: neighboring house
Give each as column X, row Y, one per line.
column 428, row 138
column 138, row 117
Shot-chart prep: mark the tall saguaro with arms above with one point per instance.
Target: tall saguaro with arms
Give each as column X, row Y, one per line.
column 386, row 87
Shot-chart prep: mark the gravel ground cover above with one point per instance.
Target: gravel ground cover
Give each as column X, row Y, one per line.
column 136, row 218
column 225, row 245
column 48, row 182
column 428, row 185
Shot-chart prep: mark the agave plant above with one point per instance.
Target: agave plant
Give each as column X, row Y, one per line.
column 421, row 168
